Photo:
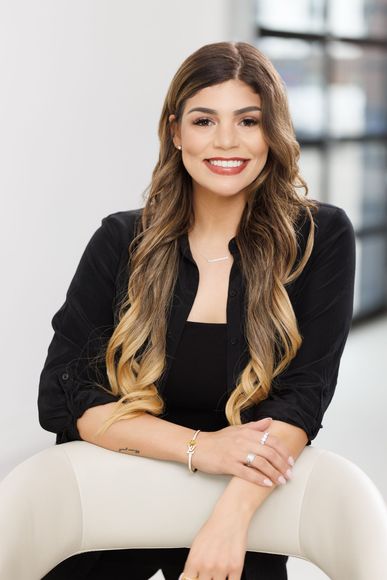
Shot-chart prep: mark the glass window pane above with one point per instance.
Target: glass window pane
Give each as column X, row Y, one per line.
column 311, row 169
column 299, row 15
column 357, row 292
column 300, row 65
column 358, row 18
column 370, row 283
column 357, row 181
column 357, row 89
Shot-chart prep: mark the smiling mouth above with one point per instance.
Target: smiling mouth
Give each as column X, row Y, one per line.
column 226, row 167
column 232, row 162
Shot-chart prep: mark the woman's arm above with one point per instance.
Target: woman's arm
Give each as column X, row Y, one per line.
column 218, row 452
column 143, row 436
column 222, row 540
column 304, row 390
column 323, row 304
column 322, row 299
column 246, row 497
column 85, row 321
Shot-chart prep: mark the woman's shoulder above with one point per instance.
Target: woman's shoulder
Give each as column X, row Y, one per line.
column 124, row 219
column 328, row 213
column 334, row 236
column 121, row 224
column 329, row 220
column 333, row 249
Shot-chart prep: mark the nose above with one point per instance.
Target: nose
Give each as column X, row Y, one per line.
column 225, row 136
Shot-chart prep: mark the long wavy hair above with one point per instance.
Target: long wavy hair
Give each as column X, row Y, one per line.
column 135, row 355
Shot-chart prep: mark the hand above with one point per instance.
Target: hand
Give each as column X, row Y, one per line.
column 225, row 451
column 218, row 551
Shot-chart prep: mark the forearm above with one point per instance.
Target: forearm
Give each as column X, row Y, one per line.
column 246, row 497
column 150, row 436
column 145, row 435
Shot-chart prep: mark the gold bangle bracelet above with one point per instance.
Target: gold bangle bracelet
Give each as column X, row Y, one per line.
column 191, row 450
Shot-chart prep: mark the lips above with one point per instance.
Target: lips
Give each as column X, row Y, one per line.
column 227, row 170
column 226, row 159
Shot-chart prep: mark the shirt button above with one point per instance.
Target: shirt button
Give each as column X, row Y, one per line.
column 234, row 340
column 65, row 376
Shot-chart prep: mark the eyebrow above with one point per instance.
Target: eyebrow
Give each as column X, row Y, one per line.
column 213, row 112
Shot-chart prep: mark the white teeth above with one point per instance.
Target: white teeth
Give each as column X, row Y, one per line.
column 226, row 163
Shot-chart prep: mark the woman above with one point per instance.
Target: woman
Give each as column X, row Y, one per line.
column 233, row 307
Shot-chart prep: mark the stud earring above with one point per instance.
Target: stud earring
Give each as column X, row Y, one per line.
column 179, row 147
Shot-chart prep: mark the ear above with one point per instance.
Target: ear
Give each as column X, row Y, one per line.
column 175, row 132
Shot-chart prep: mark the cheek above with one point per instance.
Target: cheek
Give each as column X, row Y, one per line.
column 257, row 144
column 194, row 141
column 263, row 150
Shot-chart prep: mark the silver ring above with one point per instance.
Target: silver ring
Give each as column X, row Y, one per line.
column 264, row 438
column 250, row 458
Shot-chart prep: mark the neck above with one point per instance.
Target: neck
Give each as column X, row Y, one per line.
column 216, row 220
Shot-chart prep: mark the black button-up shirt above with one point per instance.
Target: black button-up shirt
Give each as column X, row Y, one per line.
column 322, row 298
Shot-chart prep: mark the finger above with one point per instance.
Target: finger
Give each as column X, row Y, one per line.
column 278, row 445
column 276, row 464
column 253, row 475
column 261, row 425
column 265, row 468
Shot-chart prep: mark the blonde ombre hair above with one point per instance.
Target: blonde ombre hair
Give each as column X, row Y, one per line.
column 135, row 355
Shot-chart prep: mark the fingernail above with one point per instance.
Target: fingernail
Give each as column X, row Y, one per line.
column 291, row 460
column 281, row 479
column 267, row 482
column 289, row 473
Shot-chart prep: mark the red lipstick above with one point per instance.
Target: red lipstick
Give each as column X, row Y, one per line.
column 227, row 170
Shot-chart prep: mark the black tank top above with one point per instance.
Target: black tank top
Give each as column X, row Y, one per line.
column 195, row 393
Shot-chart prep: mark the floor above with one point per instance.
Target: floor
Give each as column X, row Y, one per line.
column 352, row 425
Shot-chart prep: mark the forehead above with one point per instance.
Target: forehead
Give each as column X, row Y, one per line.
column 230, row 95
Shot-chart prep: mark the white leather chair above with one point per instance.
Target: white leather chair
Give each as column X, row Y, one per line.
column 78, row 497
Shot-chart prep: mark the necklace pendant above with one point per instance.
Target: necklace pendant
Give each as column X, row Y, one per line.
column 217, row 259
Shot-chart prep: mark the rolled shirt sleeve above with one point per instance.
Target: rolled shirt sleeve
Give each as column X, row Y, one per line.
column 322, row 299
column 82, row 327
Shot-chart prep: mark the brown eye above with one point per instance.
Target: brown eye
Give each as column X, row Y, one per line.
column 200, row 121
column 251, row 122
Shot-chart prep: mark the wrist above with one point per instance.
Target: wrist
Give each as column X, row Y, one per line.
column 199, row 448
column 229, row 508
column 242, row 496
column 191, row 448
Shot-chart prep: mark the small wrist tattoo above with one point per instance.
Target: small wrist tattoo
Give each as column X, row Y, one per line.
column 129, row 451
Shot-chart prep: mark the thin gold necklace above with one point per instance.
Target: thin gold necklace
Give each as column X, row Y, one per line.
column 210, row 260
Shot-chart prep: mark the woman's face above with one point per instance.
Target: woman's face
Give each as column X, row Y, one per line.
column 222, row 133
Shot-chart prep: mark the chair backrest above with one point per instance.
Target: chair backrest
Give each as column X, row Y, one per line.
column 77, row 497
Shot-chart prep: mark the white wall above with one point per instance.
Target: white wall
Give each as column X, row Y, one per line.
column 82, row 84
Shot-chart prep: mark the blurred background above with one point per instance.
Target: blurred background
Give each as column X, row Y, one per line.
column 332, row 55
column 82, row 85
